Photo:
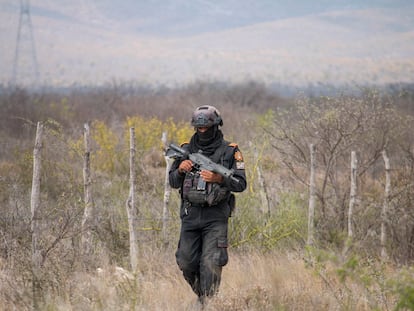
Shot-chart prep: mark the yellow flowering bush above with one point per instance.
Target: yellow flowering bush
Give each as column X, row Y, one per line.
column 148, row 132
column 105, row 156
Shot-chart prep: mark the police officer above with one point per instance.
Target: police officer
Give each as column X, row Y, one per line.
column 202, row 248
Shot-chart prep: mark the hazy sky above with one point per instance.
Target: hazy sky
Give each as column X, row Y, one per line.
column 179, row 41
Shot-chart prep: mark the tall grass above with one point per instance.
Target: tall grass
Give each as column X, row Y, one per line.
column 251, row 281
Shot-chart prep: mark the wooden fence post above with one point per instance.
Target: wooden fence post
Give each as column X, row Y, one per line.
column 35, row 217
column 385, row 206
column 88, row 214
column 265, row 206
column 167, row 192
column 353, row 193
column 312, row 195
column 132, row 211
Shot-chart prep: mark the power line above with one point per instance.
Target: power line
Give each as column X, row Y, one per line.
column 25, row 67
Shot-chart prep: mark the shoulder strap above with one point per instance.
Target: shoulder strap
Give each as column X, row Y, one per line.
column 218, row 155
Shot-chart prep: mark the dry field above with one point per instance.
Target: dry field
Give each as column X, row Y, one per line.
column 251, row 281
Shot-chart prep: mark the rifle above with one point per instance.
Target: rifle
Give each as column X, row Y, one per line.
column 200, row 162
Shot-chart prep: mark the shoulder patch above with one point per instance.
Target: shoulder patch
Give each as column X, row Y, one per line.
column 238, row 156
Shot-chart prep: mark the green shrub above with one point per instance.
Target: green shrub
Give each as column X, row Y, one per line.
column 403, row 286
column 284, row 227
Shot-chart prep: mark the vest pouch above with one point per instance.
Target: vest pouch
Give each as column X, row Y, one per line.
column 187, row 186
column 213, row 193
column 190, row 191
column 216, row 194
column 195, row 196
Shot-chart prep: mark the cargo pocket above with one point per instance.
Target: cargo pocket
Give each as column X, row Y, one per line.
column 221, row 257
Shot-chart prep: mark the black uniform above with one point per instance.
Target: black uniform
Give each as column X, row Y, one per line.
column 202, row 248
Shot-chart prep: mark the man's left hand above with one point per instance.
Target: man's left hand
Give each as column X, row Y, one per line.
column 212, row 177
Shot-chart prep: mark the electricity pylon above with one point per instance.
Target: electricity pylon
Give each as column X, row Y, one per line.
column 25, row 67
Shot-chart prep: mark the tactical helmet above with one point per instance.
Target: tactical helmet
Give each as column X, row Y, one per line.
column 206, row 116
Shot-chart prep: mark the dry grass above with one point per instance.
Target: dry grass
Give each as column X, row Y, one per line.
column 272, row 282
column 251, row 281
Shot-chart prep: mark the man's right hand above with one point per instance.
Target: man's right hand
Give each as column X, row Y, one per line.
column 185, row 166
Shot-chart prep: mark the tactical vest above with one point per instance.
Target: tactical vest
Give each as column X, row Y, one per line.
column 213, row 193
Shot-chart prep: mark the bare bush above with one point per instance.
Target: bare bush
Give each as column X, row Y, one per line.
column 337, row 126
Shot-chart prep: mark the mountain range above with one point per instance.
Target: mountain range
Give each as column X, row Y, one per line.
column 176, row 41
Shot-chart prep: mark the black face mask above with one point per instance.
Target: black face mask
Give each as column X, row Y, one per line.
column 207, row 142
column 207, row 137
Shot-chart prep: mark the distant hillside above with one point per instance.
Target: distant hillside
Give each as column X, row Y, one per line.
column 336, row 47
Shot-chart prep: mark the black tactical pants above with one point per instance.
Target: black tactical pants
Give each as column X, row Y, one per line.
column 202, row 249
